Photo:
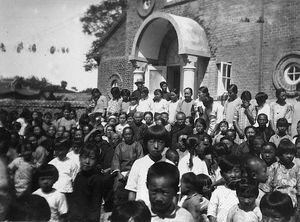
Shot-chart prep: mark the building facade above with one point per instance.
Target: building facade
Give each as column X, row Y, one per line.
column 254, row 44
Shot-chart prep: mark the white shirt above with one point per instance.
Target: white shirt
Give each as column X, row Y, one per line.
column 172, row 111
column 222, row 199
column 236, row 214
column 67, row 171
column 137, row 178
column 199, row 166
column 266, row 109
column 161, row 106
column 74, row 158
column 57, row 203
column 145, row 105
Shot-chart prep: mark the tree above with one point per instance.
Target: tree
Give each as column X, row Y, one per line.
column 97, row 21
column 63, row 84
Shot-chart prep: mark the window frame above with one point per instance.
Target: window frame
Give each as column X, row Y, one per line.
column 224, row 80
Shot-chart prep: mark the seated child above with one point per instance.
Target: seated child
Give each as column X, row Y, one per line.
column 276, row 206
column 268, row 153
column 224, row 196
column 223, row 127
column 172, row 157
column 22, row 170
column 162, row 183
column 205, row 185
column 122, row 123
column 246, row 210
column 88, row 187
column 284, row 175
column 47, row 176
column 135, row 211
column 282, row 126
column 191, row 199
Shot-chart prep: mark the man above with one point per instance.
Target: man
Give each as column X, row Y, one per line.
column 139, row 84
column 187, row 105
column 179, row 128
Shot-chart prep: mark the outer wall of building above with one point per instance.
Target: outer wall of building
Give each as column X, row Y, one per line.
column 251, row 34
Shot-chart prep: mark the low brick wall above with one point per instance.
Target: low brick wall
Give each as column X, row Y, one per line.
column 42, row 105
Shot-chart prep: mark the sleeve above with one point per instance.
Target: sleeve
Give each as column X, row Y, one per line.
column 220, row 113
column 140, row 152
column 13, row 165
column 132, row 182
column 62, row 205
column 212, row 209
column 74, row 170
column 115, row 164
column 230, row 214
column 268, row 185
column 289, row 113
column 236, row 114
column 178, row 109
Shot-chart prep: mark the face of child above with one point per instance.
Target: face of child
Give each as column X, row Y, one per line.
column 184, row 188
column 201, row 95
column 143, row 95
column 262, row 121
column 282, row 96
column 161, row 194
column 257, row 145
column 164, row 87
column 112, row 122
column 223, row 128
column 27, row 154
column 37, row 130
column 66, row 135
column 249, row 133
column 187, row 122
column 247, row 203
column 180, row 119
column 287, row 158
column 128, row 135
column 261, row 172
column 228, row 143
column 268, row 154
column 133, row 102
column 98, row 137
column 282, row 129
column 46, row 183
column 66, row 114
column 173, row 96
column 138, row 117
column 157, row 96
column 232, row 176
column 165, row 117
column 155, row 147
column 231, row 94
column 273, row 216
column 87, row 161
column 199, row 127
column 122, row 119
column 148, row 119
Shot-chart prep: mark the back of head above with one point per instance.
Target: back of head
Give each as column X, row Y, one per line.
column 135, row 211
column 47, row 170
column 172, row 155
column 277, row 204
column 165, row 170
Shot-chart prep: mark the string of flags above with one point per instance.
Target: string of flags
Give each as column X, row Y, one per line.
column 33, row 48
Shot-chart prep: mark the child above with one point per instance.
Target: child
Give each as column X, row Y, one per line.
column 135, row 211
column 246, row 210
column 282, row 127
column 114, row 105
column 22, row 170
column 200, row 127
column 159, row 103
column 174, row 94
column 148, row 118
column 122, row 123
column 155, row 140
column 205, row 185
column 162, row 183
column 284, row 175
column 224, row 197
column 191, row 199
column 134, row 101
column 268, row 153
column 88, row 187
column 276, row 206
column 191, row 162
column 125, row 94
column 47, row 176
column 172, row 157
column 223, row 127
column 67, row 169
column 73, row 154
column 66, row 120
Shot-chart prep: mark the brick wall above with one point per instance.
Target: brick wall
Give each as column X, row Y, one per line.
column 236, row 33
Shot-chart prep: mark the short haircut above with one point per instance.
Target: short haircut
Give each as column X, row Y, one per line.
column 115, row 92
column 191, row 179
column 90, row 148
column 158, row 91
column 164, row 113
column 133, row 97
column 247, row 190
column 246, row 95
column 171, row 153
column 233, row 88
column 202, row 122
column 204, row 90
column 220, row 149
column 175, row 91
column 163, row 83
column 203, row 180
column 278, row 202
column 285, row 146
column 128, row 128
column 282, row 122
column 190, row 89
column 125, row 92
column 47, row 170
column 269, row 144
column 137, row 211
column 145, row 90
column 279, row 91
column 262, row 114
column 228, row 162
column 181, row 113
column 261, row 97
column 249, row 127
column 157, row 132
column 148, row 113
column 166, row 170
column 224, row 122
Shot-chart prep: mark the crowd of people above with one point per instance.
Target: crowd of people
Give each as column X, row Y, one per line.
column 136, row 158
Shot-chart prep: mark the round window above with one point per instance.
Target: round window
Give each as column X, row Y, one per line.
column 292, row 74
column 287, row 73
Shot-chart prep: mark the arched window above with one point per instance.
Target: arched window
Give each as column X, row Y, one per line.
column 114, row 83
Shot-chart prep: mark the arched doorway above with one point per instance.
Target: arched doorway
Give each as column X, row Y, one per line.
column 169, row 47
